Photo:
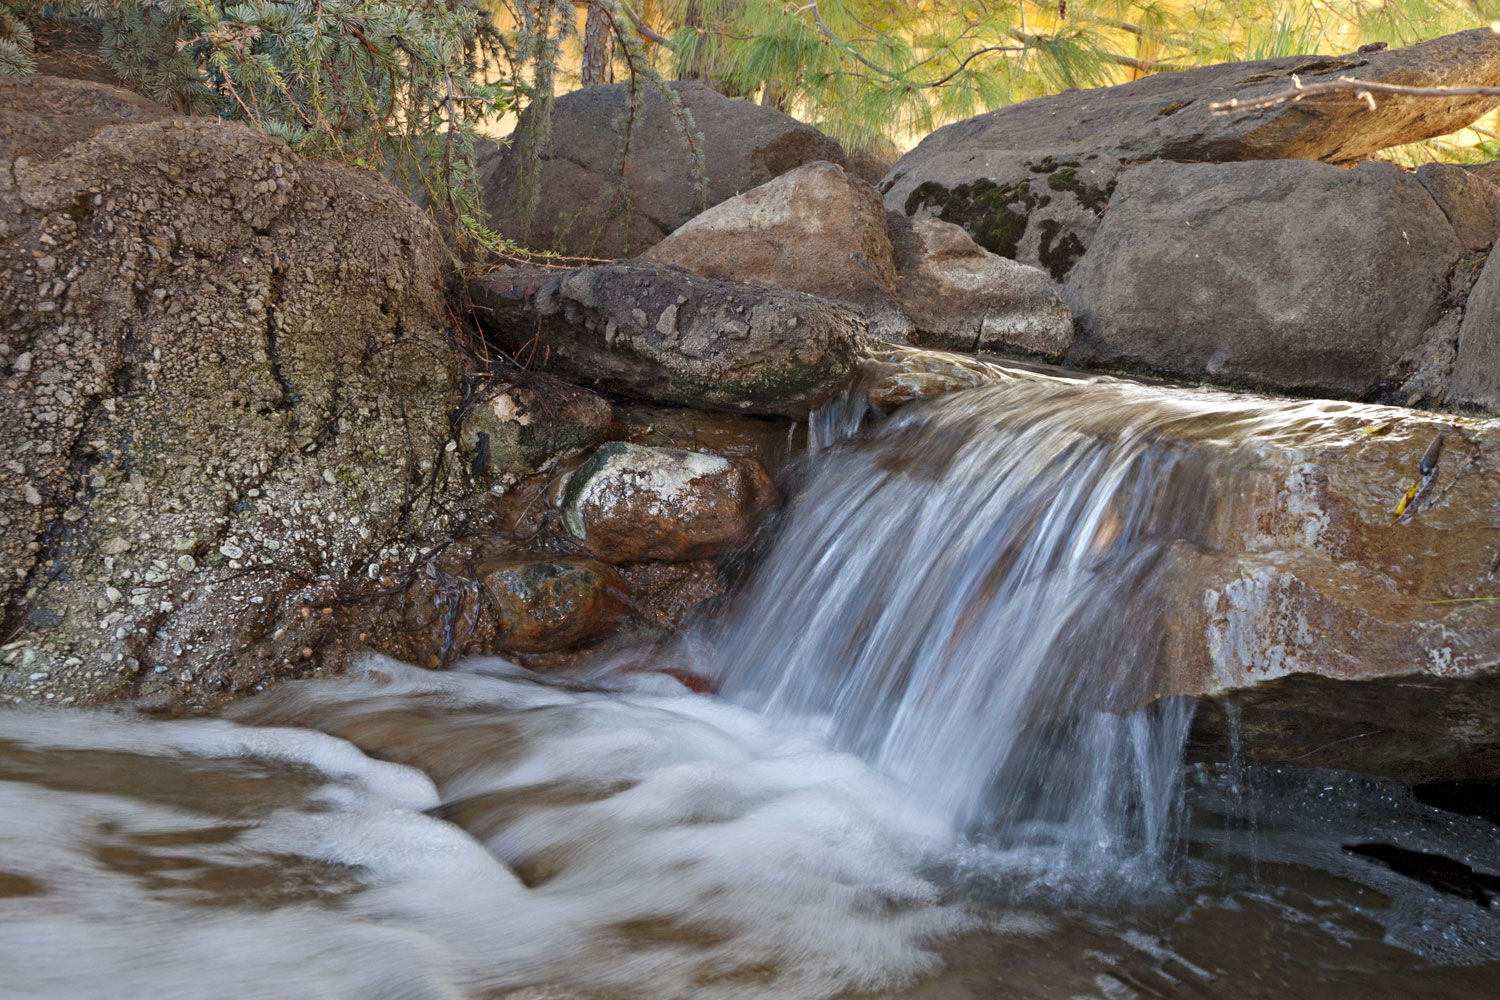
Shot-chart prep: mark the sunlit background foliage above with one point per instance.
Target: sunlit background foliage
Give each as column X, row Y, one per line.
column 411, row 85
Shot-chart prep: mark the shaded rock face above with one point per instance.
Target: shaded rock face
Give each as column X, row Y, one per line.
column 580, row 203
column 1470, row 203
column 541, row 607
column 630, row 503
column 816, row 229
column 1412, row 729
column 524, row 422
column 663, row 334
column 1476, row 367
column 1030, row 180
column 225, row 379
column 1287, row 274
column 961, row 297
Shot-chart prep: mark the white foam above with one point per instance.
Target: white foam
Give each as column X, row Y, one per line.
column 716, row 856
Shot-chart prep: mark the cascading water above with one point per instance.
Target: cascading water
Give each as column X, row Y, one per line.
column 967, row 596
column 968, row 599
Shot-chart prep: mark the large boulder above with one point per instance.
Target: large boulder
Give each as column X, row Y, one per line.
column 1281, row 273
column 630, row 503
column 666, row 335
column 226, row 378
column 582, row 207
column 1029, row 180
column 816, row 229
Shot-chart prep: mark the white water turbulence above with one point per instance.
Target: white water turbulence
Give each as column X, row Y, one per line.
column 968, row 599
column 476, row 833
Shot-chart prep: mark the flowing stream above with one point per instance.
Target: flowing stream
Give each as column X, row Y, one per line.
column 938, row 768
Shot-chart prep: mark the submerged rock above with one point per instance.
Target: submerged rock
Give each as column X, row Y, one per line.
column 541, row 607
column 630, row 503
column 662, row 334
column 581, row 207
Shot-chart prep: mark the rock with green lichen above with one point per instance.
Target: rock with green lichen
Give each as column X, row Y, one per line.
column 663, row 334
column 1037, row 209
column 523, row 422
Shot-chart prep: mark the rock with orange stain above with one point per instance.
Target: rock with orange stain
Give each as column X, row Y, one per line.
column 550, row 605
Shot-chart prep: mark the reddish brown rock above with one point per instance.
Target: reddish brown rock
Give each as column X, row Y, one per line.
column 545, row 606
column 630, row 503
column 815, row 229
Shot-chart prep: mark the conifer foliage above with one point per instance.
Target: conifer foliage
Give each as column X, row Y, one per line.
column 401, row 84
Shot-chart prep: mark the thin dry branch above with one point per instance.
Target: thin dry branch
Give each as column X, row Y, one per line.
column 641, row 27
column 1362, row 90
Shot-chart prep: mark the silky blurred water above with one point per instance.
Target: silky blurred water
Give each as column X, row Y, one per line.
column 920, row 780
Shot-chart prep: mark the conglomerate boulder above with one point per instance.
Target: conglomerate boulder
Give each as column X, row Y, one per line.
column 225, row 374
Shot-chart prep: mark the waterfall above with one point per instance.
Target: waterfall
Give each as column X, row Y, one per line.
column 969, row 597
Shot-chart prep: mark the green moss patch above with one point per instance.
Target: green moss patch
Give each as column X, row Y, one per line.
column 996, row 215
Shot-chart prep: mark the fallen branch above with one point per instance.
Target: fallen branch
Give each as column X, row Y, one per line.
column 1361, row 89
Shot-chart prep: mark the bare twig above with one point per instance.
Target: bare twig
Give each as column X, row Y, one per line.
column 970, row 58
column 642, row 28
column 1362, row 90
